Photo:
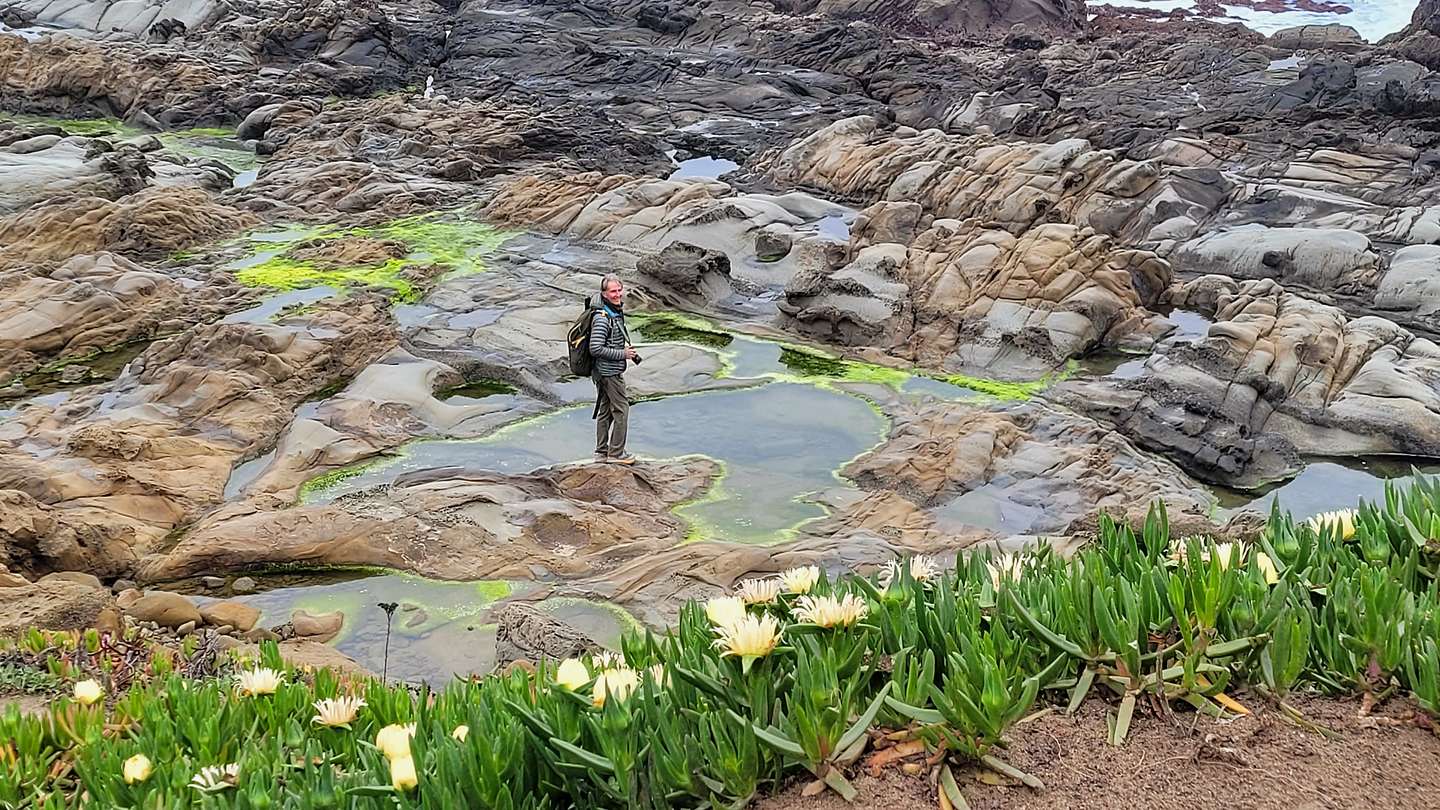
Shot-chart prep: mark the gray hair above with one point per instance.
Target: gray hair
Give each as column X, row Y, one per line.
column 607, row 279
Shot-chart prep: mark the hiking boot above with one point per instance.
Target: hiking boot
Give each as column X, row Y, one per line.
column 601, row 458
column 623, row 458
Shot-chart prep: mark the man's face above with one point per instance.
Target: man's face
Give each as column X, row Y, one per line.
column 614, row 293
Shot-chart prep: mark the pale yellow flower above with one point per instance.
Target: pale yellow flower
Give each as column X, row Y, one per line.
column 572, row 674
column 758, row 591
column 216, row 778
column 88, row 692
column 1006, row 566
column 394, row 740
column 800, row 580
column 460, row 733
column 659, row 675
column 260, row 681
column 1225, row 550
column 828, row 611
column 752, row 636
column 1341, row 522
column 1267, row 567
column 337, row 712
column 922, row 569
column 617, row 683
column 136, row 769
column 402, row 773
column 724, row 610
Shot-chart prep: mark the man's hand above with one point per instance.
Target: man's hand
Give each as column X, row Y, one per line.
column 629, row 352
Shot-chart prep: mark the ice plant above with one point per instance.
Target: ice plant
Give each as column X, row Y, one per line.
column 829, row 611
column 394, row 740
column 800, row 580
column 1342, row 522
column 572, row 674
column 751, row 637
column 88, row 692
column 402, row 773
column 617, row 683
column 1267, row 567
column 1006, row 566
column 724, row 610
column 658, row 674
column 215, row 778
column 606, row 659
column 136, row 769
column 337, row 712
column 922, row 569
column 260, row 681
column 758, row 591
column 460, row 733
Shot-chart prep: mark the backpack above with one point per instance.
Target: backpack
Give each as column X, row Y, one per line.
column 578, row 341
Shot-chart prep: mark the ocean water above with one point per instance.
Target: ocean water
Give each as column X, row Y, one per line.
column 1374, row 19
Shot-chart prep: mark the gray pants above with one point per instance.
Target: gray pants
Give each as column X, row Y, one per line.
column 612, row 415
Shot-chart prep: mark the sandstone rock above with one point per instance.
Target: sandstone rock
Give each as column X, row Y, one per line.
column 79, row 577
column 238, row 615
column 185, row 629
column 308, row 653
column 128, row 597
column 258, row 634
column 122, row 585
column 9, row 580
column 772, row 244
column 243, row 585
column 317, row 626
column 690, row 270
column 212, row 582
column 165, row 609
column 52, row 605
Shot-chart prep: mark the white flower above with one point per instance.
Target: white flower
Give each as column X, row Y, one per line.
column 572, row 674
column 659, row 675
column 800, row 580
column 260, row 681
column 827, row 611
column 216, row 778
column 751, row 637
column 617, row 683
column 136, row 769
column 337, row 712
column 88, row 692
column 1006, row 566
column 758, row 591
column 460, row 733
column 1267, row 568
column 724, row 610
column 922, row 569
column 607, row 659
column 1341, row 522
column 394, row 740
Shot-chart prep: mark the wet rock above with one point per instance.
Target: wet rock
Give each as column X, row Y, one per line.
column 317, row 626
column 237, row 615
column 243, row 585
column 1333, row 37
column 524, row 633
column 53, row 605
column 165, row 609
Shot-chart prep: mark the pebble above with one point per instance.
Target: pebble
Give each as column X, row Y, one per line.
column 243, row 585
column 185, row 629
column 213, row 582
column 122, row 585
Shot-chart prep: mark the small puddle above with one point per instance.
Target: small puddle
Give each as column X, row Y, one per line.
column 835, row 226
column 277, row 304
column 99, row 367
column 708, row 167
column 438, row 630
column 242, row 476
column 1326, row 485
column 246, row 178
column 472, row 392
column 1189, row 325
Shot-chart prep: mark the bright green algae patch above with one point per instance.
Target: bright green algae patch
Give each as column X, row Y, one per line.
column 451, row 240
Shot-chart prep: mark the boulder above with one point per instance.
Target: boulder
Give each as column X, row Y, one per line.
column 238, row 615
column 689, row 270
column 53, row 605
column 163, row 608
column 524, row 633
column 1333, row 37
column 317, row 626
column 80, row 577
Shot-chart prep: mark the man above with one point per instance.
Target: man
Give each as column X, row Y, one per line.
column 610, row 346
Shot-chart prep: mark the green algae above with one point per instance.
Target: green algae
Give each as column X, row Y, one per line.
column 477, row 389
column 456, row 244
column 281, row 273
column 330, row 479
column 671, row 328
